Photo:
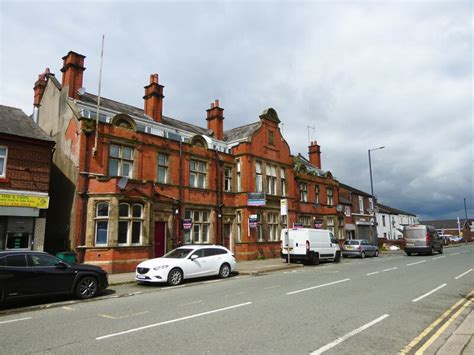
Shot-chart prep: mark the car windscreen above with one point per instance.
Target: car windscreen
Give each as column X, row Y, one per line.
column 415, row 233
column 351, row 242
column 180, row 253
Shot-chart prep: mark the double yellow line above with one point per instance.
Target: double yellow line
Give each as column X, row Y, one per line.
column 462, row 304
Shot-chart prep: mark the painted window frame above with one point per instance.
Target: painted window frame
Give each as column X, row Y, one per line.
column 272, row 224
column 303, row 187
column 201, row 225
column 4, row 159
column 162, row 166
column 197, row 174
column 227, row 179
column 131, row 220
column 258, row 176
column 330, row 196
column 271, row 179
column 121, row 160
column 98, row 219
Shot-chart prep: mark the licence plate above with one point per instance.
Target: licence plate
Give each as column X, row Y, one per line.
column 349, row 248
column 140, row 276
column 410, row 244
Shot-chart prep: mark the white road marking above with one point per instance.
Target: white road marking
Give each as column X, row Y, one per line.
column 455, row 253
column 392, row 268
column 234, row 294
column 372, row 273
column 349, row 335
column 124, row 316
column 429, row 293
column 314, row 287
column 439, row 257
column 172, row 287
column 173, row 321
column 463, row 274
column 15, row 320
column 418, row 262
column 68, row 308
column 269, row 287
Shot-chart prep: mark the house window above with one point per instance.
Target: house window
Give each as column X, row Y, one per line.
column 303, row 192
column 330, row 224
column 197, row 174
column 347, row 211
column 130, row 224
column 199, row 232
column 305, row 221
column 3, row 161
column 239, row 176
column 282, row 182
column 371, row 204
column 330, row 197
column 227, row 179
column 162, row 175
column 271, row 179
column 120, row 160
column 258, row 176
column 259, row 228
column 272, row 222
column 271, row 137
column 383, row 220
column 239, row 227
column 316, row 194
column 361, row 204
column 101, row 223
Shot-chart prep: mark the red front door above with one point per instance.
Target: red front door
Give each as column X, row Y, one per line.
column 227, row 228
column 160, row 239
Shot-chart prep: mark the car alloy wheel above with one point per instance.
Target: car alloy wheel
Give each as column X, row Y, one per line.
column 175, row 277
column 376, row 253
column 87, row 287
column 362, row 255
column 224, row 271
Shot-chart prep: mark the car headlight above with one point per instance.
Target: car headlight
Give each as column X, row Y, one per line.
column 161, row 267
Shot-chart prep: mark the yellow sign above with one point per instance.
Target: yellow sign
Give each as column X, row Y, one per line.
column 12, row 200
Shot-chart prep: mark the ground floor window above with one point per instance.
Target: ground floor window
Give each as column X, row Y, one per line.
column 102, row 223
column 330, row 224
column 272, row 223
column 130, row 224
column 199, row 232
column 238, row 238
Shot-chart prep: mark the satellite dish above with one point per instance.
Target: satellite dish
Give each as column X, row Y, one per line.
column 81, row 91
column 122, row 183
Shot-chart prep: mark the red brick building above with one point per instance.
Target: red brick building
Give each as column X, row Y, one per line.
column 139, row 183
column 25, row 163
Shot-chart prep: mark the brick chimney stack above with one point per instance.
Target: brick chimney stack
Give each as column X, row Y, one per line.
column 215, row 120
column 315, row 154
column 40, row 86
column 73, row 70
column 154, row 99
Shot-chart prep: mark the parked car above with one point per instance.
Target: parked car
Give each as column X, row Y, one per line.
column 360, row 248
column 187, row 262
column 309, row 245
column 455, row 239
column 30, row 273
column 422, row 239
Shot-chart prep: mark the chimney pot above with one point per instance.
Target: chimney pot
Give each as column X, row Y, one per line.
column 216, row 102
column 212, row 104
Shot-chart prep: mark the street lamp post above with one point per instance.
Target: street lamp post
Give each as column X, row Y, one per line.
column 374, row 240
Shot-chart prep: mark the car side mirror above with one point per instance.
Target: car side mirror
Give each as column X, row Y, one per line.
column 194, row 257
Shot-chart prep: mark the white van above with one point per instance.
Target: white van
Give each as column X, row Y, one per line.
column 309, row 245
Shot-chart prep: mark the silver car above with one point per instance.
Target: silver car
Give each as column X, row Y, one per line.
column 360, row 248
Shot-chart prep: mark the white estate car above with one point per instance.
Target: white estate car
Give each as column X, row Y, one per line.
column 187, row 262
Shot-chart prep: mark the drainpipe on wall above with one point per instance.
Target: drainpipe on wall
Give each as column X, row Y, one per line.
column 84, row 196
column 180, row 215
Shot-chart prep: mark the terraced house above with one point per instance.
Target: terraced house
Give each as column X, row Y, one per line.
column 132, row 183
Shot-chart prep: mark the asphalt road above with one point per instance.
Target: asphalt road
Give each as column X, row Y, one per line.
column 370, row 306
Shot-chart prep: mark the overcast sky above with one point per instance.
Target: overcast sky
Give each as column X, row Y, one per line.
column 364, row 74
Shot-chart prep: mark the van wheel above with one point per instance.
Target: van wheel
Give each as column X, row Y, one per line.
column 408, row 253
column 441, row 250
column 362, row 255
column 376, row 253
column 315, row 259
column 338, row 257
column 431, row 251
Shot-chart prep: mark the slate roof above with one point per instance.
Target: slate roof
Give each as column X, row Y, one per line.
column 391, row 210
column 15, row 122
column 234, row 134
column 447, row 223
column 310, row 167
column 345, row 201
column 242, row 132
column 354, row 190
column 138, row 112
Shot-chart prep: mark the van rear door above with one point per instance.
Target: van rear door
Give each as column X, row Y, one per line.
column 415, row 236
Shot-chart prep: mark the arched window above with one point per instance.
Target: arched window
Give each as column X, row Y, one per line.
column 130, row 224
column 102, row 223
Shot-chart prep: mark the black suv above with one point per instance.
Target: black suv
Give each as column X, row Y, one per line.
column 30, row 273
